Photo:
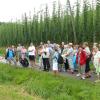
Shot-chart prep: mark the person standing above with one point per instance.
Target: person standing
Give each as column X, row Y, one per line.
column 55, row 61
column 23, row 52
column 66, row 65
column 45, row 57
column 88, row 59
column 40, row 51
column 69, row 55
column 10, row 56
column 23, row 61
column 74, row 57
column 81, row 62
column 62, row 47
column 15, row 51
column 19, row 52
column 96, row 61
column 32, row 54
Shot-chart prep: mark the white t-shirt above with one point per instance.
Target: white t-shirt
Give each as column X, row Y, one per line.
column 97, row 57
column 31, row 51
column 87, row 50
column 46, row 50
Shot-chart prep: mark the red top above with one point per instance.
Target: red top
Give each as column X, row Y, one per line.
column 82, row 59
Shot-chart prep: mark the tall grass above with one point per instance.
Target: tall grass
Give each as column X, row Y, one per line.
column 47, row 86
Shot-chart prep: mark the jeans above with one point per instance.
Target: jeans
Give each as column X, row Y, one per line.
column 12, row 60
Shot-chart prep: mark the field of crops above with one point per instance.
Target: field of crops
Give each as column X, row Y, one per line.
column 28, row 84
column 77, row 24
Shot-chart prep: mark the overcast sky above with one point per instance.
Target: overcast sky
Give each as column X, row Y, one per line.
column 12, row 9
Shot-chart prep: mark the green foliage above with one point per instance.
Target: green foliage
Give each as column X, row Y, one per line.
column 47, row 86
column 68, row 25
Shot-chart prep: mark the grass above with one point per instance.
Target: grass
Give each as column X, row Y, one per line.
column 10, row 92
column 2, row 51
column 41, row 85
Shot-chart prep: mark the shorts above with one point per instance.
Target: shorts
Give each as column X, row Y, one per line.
column 32, row 58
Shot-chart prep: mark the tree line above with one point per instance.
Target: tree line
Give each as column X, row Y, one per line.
column 67, row 23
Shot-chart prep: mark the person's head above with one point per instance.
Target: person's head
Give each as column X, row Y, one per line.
column 66, row 46
column 48, row 42
column 31, row 44
column 80, row 48
column 19, row 44
column 74, row 47
column 99, row 45
column 23, row 47
column 95, row 44
column 45, row 45
column 57, row 45
column 70, row 45
column 41, row 43
column 62, row 43
column 13, row 46
column 85, row 44
column 56, row 48
column 95, row 49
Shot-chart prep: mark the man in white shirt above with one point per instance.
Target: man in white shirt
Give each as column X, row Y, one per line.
column 32, row 54
column 45, row 57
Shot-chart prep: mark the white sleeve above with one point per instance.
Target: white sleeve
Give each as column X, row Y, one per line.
column 87, row 50
column 99, row 55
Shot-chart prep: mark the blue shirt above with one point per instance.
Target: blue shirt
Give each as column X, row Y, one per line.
column 10, row 54
column 55, row 57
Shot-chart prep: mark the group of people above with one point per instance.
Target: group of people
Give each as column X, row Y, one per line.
column 70, row 58
column 21, row 55
column 51, row 56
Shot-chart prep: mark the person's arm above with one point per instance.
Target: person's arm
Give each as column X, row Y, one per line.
column 68, row 53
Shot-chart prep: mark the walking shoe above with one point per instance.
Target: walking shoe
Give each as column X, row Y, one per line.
column 78, row 75
column 83, row 78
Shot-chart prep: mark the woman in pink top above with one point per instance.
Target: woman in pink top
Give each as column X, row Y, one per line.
column 23, row 52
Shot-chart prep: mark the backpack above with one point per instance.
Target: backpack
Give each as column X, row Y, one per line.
column 60, row 59
column 24, row 62
column 7, row 54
